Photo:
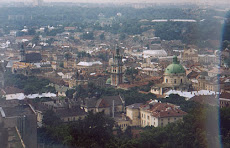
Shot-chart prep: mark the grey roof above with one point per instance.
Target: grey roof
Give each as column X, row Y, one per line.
column 33, row 57
column 70, row 112
column 107, row 100
column 19, row 110
column 134, row 106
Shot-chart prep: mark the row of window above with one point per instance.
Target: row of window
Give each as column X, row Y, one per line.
column 166, row 81
column 123, row 125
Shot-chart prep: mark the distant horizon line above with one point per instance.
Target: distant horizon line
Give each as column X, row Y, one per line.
column 122, row 2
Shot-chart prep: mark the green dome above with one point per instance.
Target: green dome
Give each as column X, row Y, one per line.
column 108, row 81
column 175, row 67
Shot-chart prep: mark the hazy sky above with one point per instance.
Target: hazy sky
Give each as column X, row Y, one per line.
column 130, row 1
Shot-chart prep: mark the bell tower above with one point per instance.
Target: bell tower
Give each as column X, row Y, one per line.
column 23, row 54
column 116, row 69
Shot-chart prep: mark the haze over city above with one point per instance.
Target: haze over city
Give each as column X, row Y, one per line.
column 128, row 1
column 114, row 73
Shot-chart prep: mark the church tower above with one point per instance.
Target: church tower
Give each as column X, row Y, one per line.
column 23, row 54
column 116, row 69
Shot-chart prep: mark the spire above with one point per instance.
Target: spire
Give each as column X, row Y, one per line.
column 117, row 50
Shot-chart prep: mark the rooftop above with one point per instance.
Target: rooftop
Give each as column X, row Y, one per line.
column 19, row 110
column 162, row 110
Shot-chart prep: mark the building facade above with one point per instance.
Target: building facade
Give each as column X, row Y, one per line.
column 153, row 113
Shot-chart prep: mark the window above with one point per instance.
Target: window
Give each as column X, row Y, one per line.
column 181, row 80
column 148, row 117
column 175, row 81
column 175, row 119
column 166, row 80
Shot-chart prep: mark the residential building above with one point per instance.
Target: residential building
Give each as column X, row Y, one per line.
column 159, row 114
column 108, row 104
column 224, row 100
column 190, row 55
column 133, row 112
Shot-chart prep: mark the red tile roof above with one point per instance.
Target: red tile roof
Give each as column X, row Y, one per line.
column 162, row 110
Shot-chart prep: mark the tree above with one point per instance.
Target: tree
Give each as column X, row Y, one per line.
column 88, row 36
column 131, row 73
column 67, row 56
column 61, row 65
column 102, row 36
column 50, row 118
column 122, row 37
column 69, row 93
column 93, row 131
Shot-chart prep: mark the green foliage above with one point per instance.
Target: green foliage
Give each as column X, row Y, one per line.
column 180, row 101
column 146, row 88
column 87, row 36
column 50, row 119
column 83, row 54
column 61, row 65
column 69, row 93
column 103, row 57
column 189, row 33
column 224, row 124
column 29, row 84
column 122, row 36
column 102, row 36
column 131, row 74
column 95, row 130
column 67, row 56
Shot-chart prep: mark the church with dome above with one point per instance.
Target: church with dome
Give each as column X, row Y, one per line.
column 174, row 79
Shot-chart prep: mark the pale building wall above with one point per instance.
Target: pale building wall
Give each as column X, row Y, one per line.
column 162, row 122
column 148, row 120
column 134, row 115
column 123, row 124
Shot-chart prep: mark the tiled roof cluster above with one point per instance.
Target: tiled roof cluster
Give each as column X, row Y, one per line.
column 162, row 110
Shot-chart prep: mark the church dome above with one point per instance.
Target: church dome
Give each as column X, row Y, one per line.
column 108, row 81
column 175, row 67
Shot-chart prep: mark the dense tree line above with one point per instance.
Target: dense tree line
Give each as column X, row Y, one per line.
column 190, row 33
column 30, row 84
column 127, row 22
